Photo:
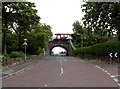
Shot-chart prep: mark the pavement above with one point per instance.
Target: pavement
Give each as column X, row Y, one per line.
column 61, row 71
column 7, row 72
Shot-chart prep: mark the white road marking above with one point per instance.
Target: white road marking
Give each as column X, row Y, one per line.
column 103, row 70
column 108, row 73
column 116, row 80
column 61, row 71
column 118, row 84
column 112, row 76
column 115, row 75
column 97, row 66
column 21, row 70
column 45, row 85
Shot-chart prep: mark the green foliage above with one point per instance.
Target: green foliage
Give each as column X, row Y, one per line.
column 102, row 16
column 85, row 36
column 20, row 18
column 77, row 28
column 12, row 42
column 0, row 42
column 5, row 57
column 40, row 50
column 38, row 38
column 20, row 21
column 101, row 49
column 15, row 54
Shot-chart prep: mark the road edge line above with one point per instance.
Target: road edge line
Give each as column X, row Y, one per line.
column 20, row 70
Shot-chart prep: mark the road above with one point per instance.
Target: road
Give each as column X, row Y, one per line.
column 64, row 71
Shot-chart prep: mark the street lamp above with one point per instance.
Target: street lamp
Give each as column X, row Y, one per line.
column 25, row 44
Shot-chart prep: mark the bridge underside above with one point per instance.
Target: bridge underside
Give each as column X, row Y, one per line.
column 60, row 43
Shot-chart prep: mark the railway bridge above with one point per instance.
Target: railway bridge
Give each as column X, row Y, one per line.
column 61, row 40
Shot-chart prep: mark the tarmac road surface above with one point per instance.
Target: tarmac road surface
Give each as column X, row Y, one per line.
column 62, row 71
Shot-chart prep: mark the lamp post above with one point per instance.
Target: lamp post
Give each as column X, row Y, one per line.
column 25, row 44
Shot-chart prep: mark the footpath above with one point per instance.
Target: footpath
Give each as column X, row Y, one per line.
column 7, row 72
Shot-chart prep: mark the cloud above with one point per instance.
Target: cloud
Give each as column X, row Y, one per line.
column 59, row 14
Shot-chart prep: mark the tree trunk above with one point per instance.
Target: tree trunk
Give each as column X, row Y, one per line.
column 4, row 51
column 118, row 34
column 20, row 43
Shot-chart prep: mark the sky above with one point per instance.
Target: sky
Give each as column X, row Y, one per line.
column 60, row 15
column 57, row 50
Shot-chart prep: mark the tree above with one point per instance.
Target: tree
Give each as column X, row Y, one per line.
column 12, row 42
column 100, row 16
column 20, row 20
column 84, row 36
column 78, row 32
column 38, row 38
column 19, row 17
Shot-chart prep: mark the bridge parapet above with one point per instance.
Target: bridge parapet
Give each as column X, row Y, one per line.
column 63, row 36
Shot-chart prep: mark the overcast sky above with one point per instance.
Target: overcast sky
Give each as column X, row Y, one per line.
column 59, row 14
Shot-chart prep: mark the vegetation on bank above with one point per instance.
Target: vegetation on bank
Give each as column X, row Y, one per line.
column 101, row 49
column 20, row 21
column 13, row 54
column 100, row 25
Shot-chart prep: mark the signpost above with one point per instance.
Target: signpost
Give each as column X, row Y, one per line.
column 111, row 55
column 25, row 44
column 44, row 51
column 115, row 55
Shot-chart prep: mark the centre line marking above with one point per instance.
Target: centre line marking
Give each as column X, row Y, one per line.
column 61, row 71
column 45, row 85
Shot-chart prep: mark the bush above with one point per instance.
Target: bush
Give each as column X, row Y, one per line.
column 5, row 57
column 15, row 54
column 102, row 49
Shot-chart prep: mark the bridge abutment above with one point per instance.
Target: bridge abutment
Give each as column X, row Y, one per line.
column 60, row 43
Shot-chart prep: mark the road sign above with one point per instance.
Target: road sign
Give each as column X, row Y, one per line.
column 111, row 55
column 116, row 54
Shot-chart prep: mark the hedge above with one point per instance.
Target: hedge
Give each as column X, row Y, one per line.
column 15, row 54
column 101, row 49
